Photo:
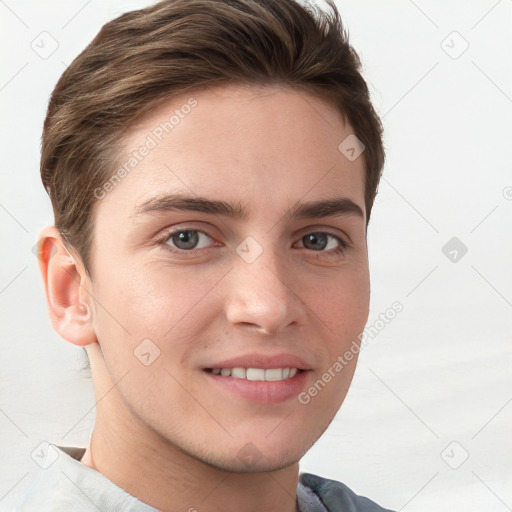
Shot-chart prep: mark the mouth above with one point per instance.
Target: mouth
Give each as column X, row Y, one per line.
column 265, row 386
column 256, row 374
column 259, row 378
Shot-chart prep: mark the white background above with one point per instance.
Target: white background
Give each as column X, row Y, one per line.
column 439, row 373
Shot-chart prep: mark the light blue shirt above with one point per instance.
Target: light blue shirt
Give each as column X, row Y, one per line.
column 66, row 485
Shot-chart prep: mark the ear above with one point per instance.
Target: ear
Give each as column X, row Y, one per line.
column 67, row 285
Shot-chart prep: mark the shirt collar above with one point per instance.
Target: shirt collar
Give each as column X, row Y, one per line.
column 65, row 480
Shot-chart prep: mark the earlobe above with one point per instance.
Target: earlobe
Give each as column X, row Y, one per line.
column 66, row 285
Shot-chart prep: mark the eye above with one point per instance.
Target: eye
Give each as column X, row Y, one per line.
column 324, row 242
column 187, row 239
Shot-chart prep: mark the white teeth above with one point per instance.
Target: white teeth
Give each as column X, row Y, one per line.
column 238, row 373
column 257, row 374
column 274, row 374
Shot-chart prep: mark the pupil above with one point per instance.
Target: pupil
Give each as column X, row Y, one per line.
column 315, row 241
column 186, row 239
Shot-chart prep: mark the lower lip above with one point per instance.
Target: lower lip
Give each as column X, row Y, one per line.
column 263, row 392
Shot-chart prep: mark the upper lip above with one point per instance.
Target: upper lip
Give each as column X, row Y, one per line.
column 263, row 361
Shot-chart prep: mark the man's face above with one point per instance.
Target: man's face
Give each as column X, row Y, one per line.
column 181, row 293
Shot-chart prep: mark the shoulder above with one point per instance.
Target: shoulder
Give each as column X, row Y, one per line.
column 65, row 484
column 337, row 497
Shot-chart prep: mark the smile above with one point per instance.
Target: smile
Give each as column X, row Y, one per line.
column 256, row 374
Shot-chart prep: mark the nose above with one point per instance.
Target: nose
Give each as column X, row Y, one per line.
column 263, row 295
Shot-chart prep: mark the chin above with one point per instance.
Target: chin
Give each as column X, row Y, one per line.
column 253, row 462
column 251, row 457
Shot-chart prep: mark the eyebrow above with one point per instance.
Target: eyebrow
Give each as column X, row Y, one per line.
column 314, row 209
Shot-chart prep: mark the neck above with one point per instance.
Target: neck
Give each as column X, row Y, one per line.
column 160, row 474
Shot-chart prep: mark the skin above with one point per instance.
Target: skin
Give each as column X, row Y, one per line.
column 268, row 149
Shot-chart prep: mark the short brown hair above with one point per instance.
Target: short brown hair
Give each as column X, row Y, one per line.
column 149, row 55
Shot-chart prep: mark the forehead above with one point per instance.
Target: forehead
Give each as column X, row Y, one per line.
column 263, row 145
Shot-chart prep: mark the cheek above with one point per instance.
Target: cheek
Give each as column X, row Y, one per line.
column 344, row 308
column 152, row 302
column 342, row 303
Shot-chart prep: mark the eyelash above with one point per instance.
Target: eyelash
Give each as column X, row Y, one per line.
column 341, row 249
